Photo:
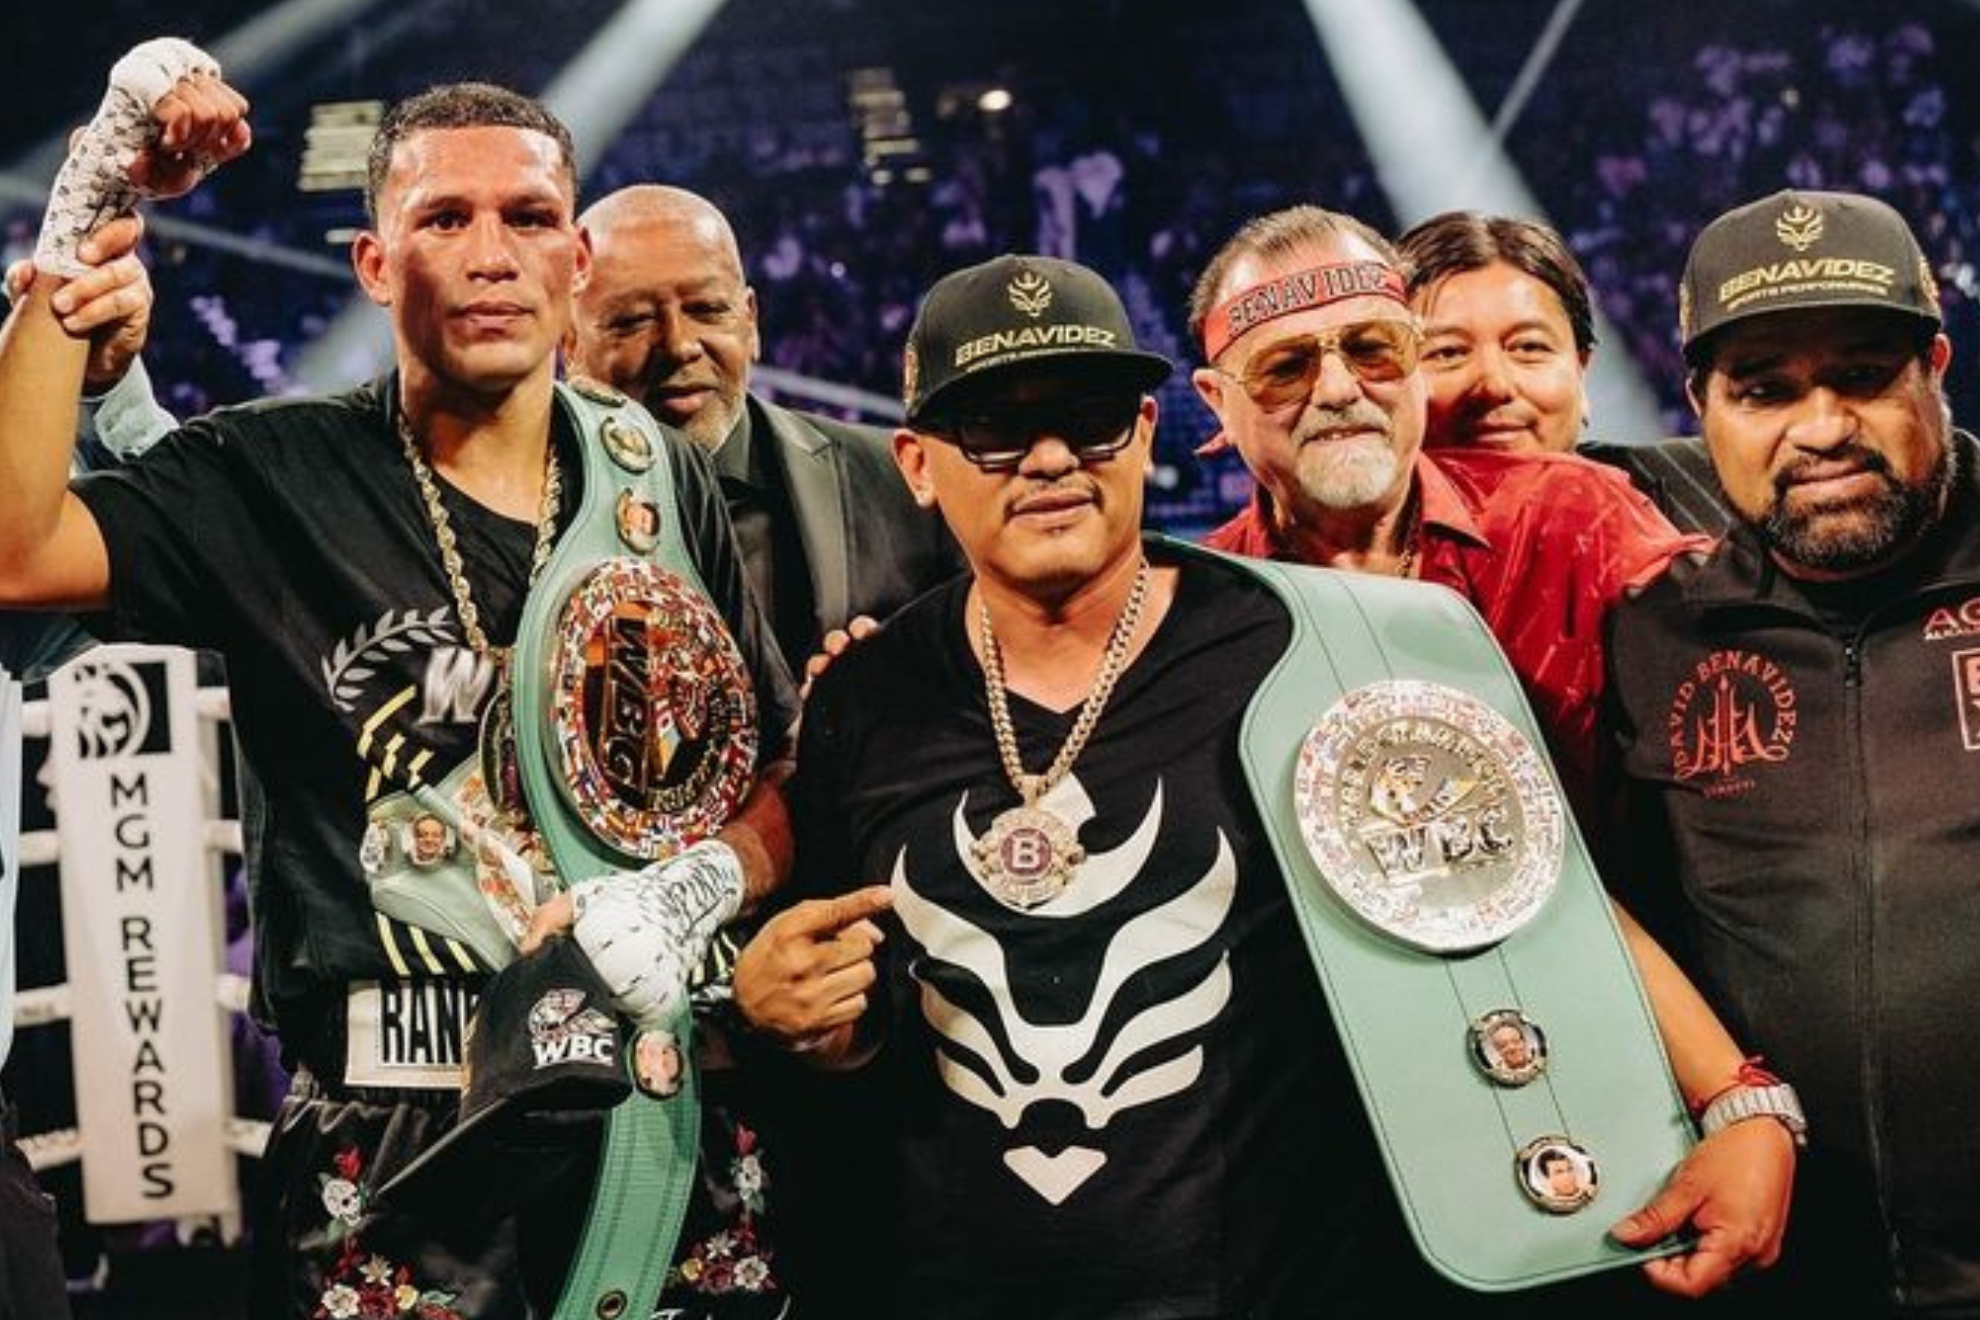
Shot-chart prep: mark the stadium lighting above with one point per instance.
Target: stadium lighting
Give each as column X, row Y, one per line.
column 1434, row 151
column 595, row 95
column 247, row 54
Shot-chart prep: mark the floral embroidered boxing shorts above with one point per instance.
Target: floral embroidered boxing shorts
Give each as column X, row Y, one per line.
column 324, row 1248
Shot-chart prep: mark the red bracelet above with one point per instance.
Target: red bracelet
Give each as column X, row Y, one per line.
column 1750, row 1074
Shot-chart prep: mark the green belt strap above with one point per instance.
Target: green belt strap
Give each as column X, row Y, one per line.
column 1448, row 1134
column 645, row 1175
column 647, row 1165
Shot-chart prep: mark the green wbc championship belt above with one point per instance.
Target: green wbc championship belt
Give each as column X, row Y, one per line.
column 634, row 718
column 630, row 733
column 1502, row 1044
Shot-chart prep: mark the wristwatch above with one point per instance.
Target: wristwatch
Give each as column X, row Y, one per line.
column 1775, row 1100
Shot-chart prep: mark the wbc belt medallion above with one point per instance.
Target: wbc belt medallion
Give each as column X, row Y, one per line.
column 653, row 717
column 1429, row 814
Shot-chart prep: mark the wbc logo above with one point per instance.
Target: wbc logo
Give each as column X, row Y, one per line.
column 563, row 1030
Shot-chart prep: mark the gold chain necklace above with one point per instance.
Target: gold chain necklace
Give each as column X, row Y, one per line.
column 1028, row 855
column 443, row 532
column 1407, row 563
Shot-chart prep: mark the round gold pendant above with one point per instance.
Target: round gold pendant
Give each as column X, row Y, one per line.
column 1027, row 857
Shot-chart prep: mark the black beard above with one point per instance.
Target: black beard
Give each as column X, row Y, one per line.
column 1894, row 516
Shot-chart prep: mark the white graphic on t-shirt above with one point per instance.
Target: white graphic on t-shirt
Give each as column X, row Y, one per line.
column 357, row 657
column 979, row 1070
column 455, row 685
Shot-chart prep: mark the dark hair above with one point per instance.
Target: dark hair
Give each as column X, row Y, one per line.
column 1274, row 234
column 458, row 105
column 1458, row 241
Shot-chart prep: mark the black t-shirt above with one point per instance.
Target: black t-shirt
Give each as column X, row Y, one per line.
column 1138, row 1108
column 290, row 537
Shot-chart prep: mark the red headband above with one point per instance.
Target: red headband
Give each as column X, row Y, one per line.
column 1285, row 294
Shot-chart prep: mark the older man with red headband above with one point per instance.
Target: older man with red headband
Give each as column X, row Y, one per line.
column 1312, row 352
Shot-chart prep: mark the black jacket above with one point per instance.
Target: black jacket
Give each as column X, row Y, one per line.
column 868, row 548
column 1802, row 806
column 1676, row 473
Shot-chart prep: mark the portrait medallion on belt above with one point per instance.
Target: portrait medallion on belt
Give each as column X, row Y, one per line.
column 1429, row 815
column 627, row 444
column 653, row 717
column 597, row 391
column 1556, row 1174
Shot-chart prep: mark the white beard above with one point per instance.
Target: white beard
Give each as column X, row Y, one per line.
column 1348, row 474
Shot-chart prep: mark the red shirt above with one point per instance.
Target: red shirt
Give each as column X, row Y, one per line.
column 1542, row 545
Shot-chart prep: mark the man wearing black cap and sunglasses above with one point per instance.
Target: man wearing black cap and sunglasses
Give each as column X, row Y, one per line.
column 1798, row 723
column 1102, row 1079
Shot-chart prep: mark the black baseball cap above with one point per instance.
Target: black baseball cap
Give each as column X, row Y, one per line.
column 1020, row 310
column 1797, row 250
column 545, row 1062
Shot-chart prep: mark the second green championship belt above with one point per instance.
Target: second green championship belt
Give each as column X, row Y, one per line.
column 1486, row 1001
column 631, row 733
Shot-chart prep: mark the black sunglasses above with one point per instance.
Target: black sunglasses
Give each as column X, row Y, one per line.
column 1095, row 429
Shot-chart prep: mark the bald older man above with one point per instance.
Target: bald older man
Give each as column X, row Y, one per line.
column 827, row 527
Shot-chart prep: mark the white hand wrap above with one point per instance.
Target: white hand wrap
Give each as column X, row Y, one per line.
column 94, row 185
column 646, row 931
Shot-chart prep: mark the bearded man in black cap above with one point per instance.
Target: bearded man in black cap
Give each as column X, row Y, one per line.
column 1102, row 1080
column 1798, row 721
